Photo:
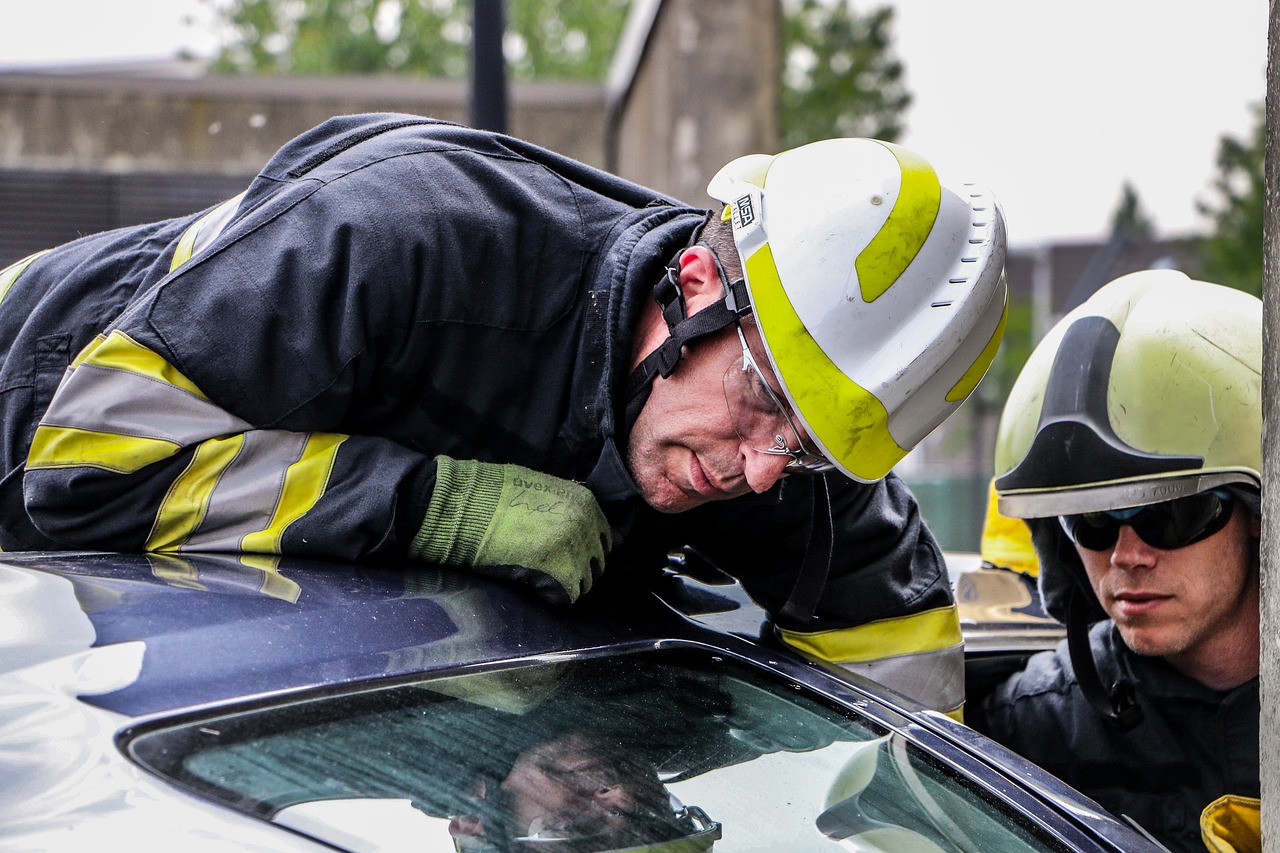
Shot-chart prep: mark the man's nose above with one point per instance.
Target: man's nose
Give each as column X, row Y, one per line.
column 761, row 469
column 1131, row 551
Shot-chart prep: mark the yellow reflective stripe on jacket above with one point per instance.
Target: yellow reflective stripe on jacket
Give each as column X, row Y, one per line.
column 241, row 493
column 184, row 506
column 920, row 656
column 118, row 351
column 10, row 274
column 66, row 447
column 304, row 483
column 122, row 407
column 203, row 230
column 919, row 632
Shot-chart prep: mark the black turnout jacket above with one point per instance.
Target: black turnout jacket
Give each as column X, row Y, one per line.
column 1193, row 746
column 276, row 375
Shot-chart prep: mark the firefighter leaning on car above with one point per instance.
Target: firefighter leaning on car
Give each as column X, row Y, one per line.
column 412, row 338
column 1132, row 445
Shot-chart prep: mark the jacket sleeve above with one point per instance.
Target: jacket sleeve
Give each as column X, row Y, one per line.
column 131, row 455
column 887, row 609
column 214, row 414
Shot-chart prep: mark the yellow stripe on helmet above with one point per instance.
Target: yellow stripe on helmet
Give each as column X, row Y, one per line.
column 849, row 422
column 899, row 240
column 978, row 369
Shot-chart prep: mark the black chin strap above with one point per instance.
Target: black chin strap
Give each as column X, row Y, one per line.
column 682, row 329
column 1119, row 705
column 802, row 603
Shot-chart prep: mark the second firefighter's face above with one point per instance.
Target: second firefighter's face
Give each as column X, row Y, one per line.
column 1183, row 604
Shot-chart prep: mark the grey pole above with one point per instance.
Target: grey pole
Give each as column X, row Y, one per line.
column 1270, row 647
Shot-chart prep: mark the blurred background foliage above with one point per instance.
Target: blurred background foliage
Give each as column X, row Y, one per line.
column 840, row 75
column 1233, row 249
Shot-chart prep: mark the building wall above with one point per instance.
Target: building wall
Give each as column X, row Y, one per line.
column 85, row 151
column 705, row 93
column 232, row 125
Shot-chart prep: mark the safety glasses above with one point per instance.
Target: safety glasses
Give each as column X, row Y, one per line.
column 760, row 417
column 1168, row 525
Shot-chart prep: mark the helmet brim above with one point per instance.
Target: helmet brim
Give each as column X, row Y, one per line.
column 1117, row 494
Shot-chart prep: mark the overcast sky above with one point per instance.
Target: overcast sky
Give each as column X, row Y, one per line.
column 1051, row 105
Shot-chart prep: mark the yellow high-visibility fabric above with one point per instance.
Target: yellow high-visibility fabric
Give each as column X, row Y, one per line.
column 1232, row 824
column 1006, row 541
column 920, row 632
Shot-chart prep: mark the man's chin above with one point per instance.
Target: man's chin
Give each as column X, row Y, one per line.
column 666, row 497
column 1148, row 641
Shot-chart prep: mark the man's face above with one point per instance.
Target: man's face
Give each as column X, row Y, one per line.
column 585, row 792
column 1188, row 605
column 684, row 449
column 566, row 786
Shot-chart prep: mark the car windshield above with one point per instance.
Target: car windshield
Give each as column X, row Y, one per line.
column 671, row 750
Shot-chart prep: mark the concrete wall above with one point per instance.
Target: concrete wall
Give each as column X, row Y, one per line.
column 695, row 84
column 225, row 125
column 705, row 93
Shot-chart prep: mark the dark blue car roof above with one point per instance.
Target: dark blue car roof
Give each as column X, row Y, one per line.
column 216, row 629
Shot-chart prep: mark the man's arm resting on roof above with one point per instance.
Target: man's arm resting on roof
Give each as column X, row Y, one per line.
column 512, row 522
column 131, row 455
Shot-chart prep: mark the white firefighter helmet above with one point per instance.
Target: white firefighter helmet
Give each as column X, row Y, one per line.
column 879, row 292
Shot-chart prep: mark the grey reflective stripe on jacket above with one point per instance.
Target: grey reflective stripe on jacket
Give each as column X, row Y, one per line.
column 934, row 678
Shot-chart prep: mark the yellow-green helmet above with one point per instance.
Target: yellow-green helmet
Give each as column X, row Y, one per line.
column 878, row 290
column 1151, row 390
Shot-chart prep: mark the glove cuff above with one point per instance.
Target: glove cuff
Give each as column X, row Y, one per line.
column 462, row 506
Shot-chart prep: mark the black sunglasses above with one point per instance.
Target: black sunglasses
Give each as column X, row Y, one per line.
column 1168, row 525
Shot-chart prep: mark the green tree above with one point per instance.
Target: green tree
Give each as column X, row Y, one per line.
column 572, row 39
column 1131, row 218
column 1233, row 252
column 840, row 76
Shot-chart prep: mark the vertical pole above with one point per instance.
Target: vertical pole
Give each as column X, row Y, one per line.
column 1270, row 647
column 488, row 67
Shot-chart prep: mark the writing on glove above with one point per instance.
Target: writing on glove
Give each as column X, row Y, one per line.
column 513, row 522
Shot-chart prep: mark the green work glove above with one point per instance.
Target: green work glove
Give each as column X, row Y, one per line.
column 508, row 521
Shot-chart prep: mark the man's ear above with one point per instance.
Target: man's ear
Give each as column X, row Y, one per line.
column 699, row 279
